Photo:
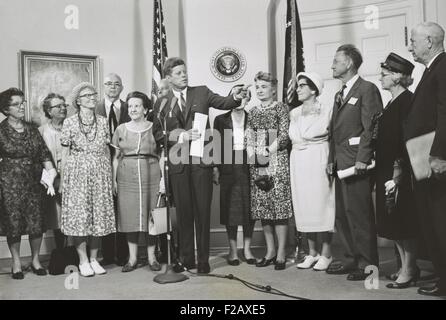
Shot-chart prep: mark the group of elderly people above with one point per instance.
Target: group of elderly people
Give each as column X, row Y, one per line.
column 271, row 183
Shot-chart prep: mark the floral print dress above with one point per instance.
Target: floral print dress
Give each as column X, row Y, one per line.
column 21, row 195
column 87, row 198
column 274, row 204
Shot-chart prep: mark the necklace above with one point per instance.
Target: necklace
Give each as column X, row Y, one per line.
column 86, row 129
column 56, row 129
column 267, row 106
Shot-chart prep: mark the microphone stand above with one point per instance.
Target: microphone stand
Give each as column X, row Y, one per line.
column 169, row 275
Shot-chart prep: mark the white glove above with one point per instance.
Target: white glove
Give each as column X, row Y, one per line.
column 390, row 186
column 47, row 180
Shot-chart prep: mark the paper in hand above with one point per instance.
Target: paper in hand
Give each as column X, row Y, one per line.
column 342, row 174
column 197, row 146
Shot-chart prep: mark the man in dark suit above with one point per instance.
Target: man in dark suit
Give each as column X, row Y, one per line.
column 351, row 146
column 191, row 178
column 428, row 114
column 114, row 246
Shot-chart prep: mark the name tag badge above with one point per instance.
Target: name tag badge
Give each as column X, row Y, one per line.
column 354, row 141
column 353, row 100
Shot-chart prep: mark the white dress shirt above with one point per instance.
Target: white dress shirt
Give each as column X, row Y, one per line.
column 117, row 107
column 349, row 85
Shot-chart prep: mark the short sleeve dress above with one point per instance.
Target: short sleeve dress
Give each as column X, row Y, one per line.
column 138, row 177
column 87, row 198
column 21, row 194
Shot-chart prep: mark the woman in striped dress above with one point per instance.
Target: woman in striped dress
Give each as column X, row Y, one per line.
column 136, row 177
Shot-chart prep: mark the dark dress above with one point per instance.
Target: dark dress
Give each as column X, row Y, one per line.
column 22, row 194
column 234, row 178
column 399, row 224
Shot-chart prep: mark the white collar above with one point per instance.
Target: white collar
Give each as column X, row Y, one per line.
column 349, row 84
column 108, row 103
column 178, row 93
column 433, row 59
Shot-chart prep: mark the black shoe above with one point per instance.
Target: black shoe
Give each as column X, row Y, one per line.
column 266, row 262
column 155, row 266
column 179, row 267
column 434, row 291
column 203, row 267
column 357, row 275
column 234, row 262
column 17, row 275
column 403, row 285
column 39, row 272
column 336, row 267
column 280, row 265
column 128, row 267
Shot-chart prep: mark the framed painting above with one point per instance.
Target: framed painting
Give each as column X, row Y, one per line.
column 43, row 72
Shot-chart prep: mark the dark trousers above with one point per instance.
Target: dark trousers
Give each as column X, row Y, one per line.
column 355, row 221
column 431, row 201
column 192, row 192
column 114, row 246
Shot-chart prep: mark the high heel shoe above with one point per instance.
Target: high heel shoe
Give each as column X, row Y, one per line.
column 266, row 262
column 280, row 265
column 403, row 285
column 39, row 272
column 17, row 275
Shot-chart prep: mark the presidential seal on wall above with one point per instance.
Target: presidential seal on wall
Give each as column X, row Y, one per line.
column 228, row 64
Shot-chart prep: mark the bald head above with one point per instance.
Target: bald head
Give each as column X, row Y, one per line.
column 427, row 40
column 113, row 86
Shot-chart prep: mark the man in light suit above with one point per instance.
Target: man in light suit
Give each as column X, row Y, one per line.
column 191, row 180
column 114, row 246
column 351, row 146
column 428, row 114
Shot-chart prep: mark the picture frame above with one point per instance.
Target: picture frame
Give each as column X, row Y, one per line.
column 44, row 72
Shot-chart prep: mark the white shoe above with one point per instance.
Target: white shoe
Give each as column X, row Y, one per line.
column 86, row 270
column 323, row 263
column 308, row 262
column 97, row 268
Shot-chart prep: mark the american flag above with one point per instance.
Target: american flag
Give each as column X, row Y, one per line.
column 294, row 60
column 159, row 52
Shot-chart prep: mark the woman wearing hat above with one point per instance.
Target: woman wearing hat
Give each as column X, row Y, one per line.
column 395, row 206
column 86, row 175
column 312, row 190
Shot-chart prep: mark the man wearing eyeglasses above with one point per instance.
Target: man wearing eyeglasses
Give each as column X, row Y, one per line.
column 114, row 246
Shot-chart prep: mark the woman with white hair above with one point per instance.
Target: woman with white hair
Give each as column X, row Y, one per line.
column 312, row 190
column 87, row 199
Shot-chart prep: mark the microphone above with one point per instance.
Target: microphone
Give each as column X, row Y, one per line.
column 163, row 104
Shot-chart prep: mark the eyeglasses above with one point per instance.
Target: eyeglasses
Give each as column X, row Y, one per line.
column 112, row 84
column 18, row 104
column 302, row 85
column 89, row 95
column 60, row 105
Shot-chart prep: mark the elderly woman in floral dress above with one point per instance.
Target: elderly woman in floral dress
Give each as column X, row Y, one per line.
column 87, row 198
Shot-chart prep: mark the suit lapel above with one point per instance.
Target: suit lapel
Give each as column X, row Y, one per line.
column 189, row 101
column 351, row 92
column 427, row 73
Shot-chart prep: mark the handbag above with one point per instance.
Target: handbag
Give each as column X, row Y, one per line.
column 264, row 182
column 158, row 218
column 62, row 258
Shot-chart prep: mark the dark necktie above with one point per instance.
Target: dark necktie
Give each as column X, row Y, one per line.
column 340, row 97
column 183, row 105
column 112, row 121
